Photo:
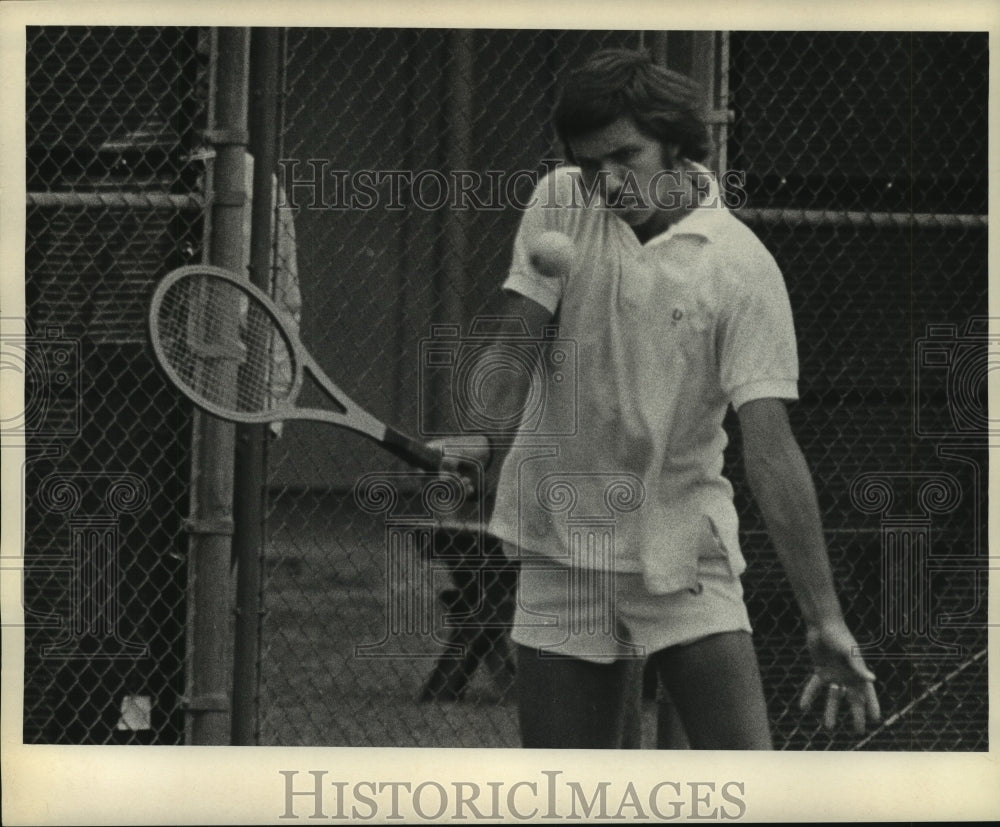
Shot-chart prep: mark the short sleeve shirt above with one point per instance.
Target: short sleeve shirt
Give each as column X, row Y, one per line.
column 618, row 460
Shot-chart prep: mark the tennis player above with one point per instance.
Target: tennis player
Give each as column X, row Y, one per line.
column 624, row 524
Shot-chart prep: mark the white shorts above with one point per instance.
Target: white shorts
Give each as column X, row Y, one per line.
column 605, row 616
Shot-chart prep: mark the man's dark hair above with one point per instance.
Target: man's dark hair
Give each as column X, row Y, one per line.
column 664, row 104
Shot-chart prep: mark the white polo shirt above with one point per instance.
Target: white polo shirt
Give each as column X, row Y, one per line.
column 620, row 467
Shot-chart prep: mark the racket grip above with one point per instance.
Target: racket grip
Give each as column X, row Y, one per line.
column 413, row 451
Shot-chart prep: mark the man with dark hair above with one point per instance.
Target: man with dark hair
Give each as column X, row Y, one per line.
column 677, row 311
column 663, row 104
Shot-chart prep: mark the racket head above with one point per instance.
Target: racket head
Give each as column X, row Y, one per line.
column 225, row 344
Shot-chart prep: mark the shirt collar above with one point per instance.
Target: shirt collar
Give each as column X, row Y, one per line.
column 704, row 220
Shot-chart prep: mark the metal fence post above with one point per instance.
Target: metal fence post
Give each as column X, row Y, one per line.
column 251, row 449
column 207, row 705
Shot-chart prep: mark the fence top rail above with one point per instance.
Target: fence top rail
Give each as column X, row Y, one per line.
column 752, row 215
column 857, row 218
column 126, row 200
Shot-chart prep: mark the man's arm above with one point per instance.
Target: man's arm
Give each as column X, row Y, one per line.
column 511, row 394
column 507, row 390
column 783, row 487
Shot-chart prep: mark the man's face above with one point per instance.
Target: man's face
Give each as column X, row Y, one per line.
column 627, row 168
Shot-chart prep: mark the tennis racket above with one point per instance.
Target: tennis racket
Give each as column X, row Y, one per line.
column 219, row 339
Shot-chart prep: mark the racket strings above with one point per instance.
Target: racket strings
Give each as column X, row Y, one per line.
column 224, row 346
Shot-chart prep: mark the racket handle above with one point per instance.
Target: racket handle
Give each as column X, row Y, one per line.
column 417, row 453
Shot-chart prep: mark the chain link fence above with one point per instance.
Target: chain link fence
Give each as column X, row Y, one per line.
column 112, row 120
column 385, row 606
column 863, row 155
